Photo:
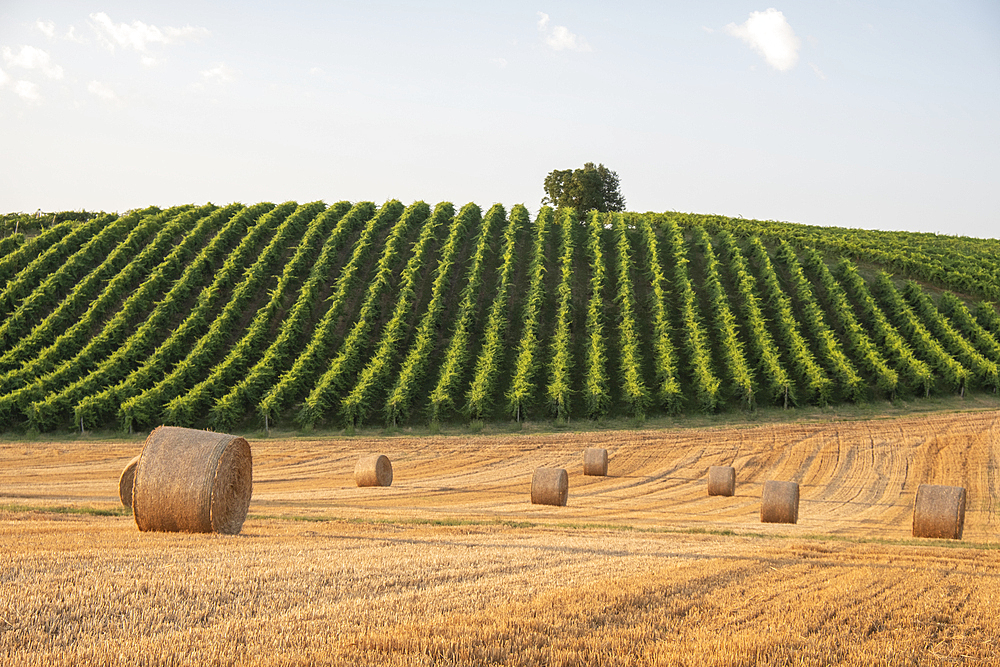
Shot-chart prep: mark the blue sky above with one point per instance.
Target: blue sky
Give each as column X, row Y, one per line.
column 879, row 114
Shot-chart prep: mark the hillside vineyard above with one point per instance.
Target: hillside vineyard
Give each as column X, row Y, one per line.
column 329, row 316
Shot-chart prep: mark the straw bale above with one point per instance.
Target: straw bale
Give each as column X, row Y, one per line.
column 192, row 481
column 549, row 486
column 125, row 481
column 721, row 480
column 595, row 462
column 373, row 470
column 779, row 503
column 939, row 511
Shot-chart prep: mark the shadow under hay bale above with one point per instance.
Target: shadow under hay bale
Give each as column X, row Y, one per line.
column 595, row 462
column 721, row 480
column 779, row 502
column 125, row 481
column 192, row 481
column 373, row 470
column 549, row 486
column 939, row 512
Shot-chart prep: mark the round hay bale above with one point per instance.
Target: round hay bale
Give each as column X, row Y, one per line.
column 939, row 511
column 549, row 486
column 125, row 481
column 373, row 470
column 721, row 480
column 192, row 481
column 595, row 462
column 779, row 503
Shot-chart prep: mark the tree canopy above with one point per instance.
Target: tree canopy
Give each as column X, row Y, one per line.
column 593, row 187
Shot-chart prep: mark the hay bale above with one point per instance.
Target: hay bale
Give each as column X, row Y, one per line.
column 779, row 503
column 721, row 480
column 549, row 486
column 939, row 511
column 125, row 482
column 595, row 462
column 192, row 481
column 373, row 470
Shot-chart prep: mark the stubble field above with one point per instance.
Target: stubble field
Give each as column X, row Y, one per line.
column 453, row 565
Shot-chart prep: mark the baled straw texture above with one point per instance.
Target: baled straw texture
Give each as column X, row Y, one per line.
column 779, row 503
column 721, row 480
column 373, row 470
column 549, row 486
column 125, row 481
column 939, row 511
column 192, row 481
column 595, row 462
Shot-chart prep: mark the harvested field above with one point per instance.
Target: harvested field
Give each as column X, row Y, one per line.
column 379, row 583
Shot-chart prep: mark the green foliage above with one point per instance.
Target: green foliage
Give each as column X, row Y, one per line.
column 308, row 365
column 587, row 189
column 826, row 340
column 403, row 393
column 483, row 388
column 635, row 394
column 204, row 316
column 954, row 374
column 858, row 340
column 915, row 372
column 818, row 386
column 358, row 403
column 443, row 395
column 559, row 388
column 777, row 382
column 668, row 389
column 707, row 384
column 522, row 387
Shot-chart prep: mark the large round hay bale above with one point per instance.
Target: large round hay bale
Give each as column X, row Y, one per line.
column 125, row 481
column 373, row 470
column 721, row 480
column 192, row 481
column 939, row 511
column 549, row 486
column 595, row 462
column 779, row 503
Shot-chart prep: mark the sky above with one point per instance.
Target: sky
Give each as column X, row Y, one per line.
column 881, row 115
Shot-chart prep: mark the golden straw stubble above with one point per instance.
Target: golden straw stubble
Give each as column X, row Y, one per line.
column 550, row 486
column 373, row 470
column 939, row 512
column 125, row 481
column 192, row 481
column 595, row 462
column 779, row 502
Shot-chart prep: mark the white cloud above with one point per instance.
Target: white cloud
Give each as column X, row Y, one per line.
column 769, row 34
column 559, row 38
column 102, row 90
column 73, row 37
column 27, row 90
column 4, row 78
column 316, row 71
column 499, row 62
column 149, row 61
column 138, row 35
column 818, row 72
column 221, row 73
column 31, row 58
column 48, row 28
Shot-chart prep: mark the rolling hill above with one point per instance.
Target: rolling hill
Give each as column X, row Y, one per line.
column 327, row 316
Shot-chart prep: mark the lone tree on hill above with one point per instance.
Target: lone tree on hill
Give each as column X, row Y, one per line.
column 584, row 189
